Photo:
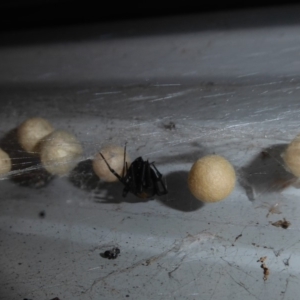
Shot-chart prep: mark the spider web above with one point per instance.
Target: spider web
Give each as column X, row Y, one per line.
column 172, row 246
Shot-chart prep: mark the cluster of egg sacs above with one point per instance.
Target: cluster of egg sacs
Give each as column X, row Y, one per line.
column 59, row 151
column 211, row 179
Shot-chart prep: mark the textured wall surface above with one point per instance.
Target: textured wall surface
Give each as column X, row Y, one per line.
column 174, row 89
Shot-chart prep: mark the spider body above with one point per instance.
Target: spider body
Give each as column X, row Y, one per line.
column 141, row 179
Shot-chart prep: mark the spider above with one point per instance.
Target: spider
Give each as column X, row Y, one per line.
column 141, row 179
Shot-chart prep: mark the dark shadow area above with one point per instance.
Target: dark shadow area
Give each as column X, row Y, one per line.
column 266, row 173
column 179, row 196
column 27, row 169
column 81, row 88
column 85, row 90
column 84, row 177
column 113, row 194
column 189, row 157
column 33, row 13
column 83, row 22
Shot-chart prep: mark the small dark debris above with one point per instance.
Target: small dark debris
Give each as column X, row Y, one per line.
column 265, row 155
column 264, row 267
column 262, row 259
column 286, row 261
column 111, row 254
column 282, row 223
column 42, row 214
column 277, row 252
column 266, row 271
column 170, row 126
column 148, row 262
column 240, row 235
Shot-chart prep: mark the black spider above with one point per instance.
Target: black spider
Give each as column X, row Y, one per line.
column 141, row 178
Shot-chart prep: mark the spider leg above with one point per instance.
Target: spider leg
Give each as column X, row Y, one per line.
column 143, row 180
column 160, row 187
column 124, row 163
column 158, row 174
column 133, row 185
column 129, row 181
column 125, row 192
column 112, row 170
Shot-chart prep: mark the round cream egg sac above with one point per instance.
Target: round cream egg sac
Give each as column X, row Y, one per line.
column 5, row 163
column 60, row 151
column 211, row 179
column 114, row 156
column 291, row 156
column 32, row 131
